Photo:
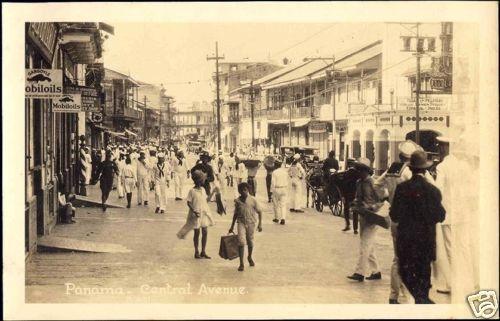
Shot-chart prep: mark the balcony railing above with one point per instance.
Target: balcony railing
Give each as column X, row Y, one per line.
column 301, row 112
column 256, row 113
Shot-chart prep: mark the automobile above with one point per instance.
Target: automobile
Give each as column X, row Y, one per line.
column 39, row 77
column 307, row 152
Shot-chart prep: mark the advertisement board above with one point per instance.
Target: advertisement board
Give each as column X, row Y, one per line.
column 68, row 103
column 43, row 83
column 89, row 96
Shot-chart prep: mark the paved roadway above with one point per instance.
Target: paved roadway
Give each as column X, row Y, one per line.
column 305, row 261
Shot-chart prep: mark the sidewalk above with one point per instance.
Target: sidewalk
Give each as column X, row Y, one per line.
column 305, row 261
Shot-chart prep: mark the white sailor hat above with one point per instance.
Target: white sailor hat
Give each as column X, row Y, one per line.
column 161, row 155
column 407, row 148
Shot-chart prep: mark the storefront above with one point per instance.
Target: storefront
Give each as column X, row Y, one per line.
column 320, row 137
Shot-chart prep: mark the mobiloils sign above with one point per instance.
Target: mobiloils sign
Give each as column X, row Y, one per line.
column 43, row 83
column 70, row 103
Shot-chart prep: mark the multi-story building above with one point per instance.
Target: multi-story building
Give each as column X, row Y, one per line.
column 363, row 104
column 195, row 122
column 232, row 74
column 51, row 136
column 374, row 98
column 122, row 113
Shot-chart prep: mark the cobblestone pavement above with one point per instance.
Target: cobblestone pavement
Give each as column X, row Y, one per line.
column 305, row 261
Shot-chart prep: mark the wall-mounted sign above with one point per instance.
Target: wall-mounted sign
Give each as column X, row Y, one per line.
column 90, row 97
column 317, row 128
column 68, row 103
column 431, row 103
column 43, row 83
column 384, row 120
column 96, row 117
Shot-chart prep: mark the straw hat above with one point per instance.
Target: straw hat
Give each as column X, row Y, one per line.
column 419, row 160
column 407, row 148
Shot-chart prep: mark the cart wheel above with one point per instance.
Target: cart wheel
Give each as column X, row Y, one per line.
column 335, row 202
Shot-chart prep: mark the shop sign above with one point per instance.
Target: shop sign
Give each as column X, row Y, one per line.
column 317, row 128
column 369, row 120
column 384, row 120
column 96, row 117
column 430, row 103
column 89, row 96
column 68, row 103
column 43, row 83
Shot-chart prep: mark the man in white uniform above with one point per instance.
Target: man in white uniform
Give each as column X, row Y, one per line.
column 161, row 174
column 181, row 172
column 279, row 190
column 143, row 170
column 446, row 174
column 297, row 174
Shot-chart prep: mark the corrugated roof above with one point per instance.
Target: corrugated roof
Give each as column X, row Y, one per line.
column 112, row 74
column 347, row 58
column 305, row 70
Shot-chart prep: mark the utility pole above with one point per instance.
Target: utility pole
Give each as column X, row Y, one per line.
column 145, row 118
column 417, row 52
column 217, row 58
column 252, row 113
column 417, row 93
column 290, row 116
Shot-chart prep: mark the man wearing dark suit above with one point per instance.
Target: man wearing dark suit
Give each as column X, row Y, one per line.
column 417, row 208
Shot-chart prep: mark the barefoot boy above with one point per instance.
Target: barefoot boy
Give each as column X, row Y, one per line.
column 244, row 212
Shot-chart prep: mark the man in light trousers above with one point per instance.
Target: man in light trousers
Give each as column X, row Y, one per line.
column 143, row 169
column 366, row 197
column 279, row 190
column 296, row 173
column 161, row 173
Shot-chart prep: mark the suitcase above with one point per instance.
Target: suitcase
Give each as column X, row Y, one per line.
column 229, row 247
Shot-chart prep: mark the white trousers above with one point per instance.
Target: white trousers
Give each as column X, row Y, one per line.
column 143, row 189
column 280, row 202
column 119, row 186
column 296, row 196
column 161, row 195
column 442, row 265
column 367, row 262
column 178, row 185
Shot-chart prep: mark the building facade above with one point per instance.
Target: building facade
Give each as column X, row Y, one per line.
column 232, row 75
column 196, row 122
column 52, row 137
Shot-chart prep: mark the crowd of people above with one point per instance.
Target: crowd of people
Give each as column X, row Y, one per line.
column 419, row 215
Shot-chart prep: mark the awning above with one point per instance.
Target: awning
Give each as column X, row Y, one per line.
column 130, row 133
column 112, row 133
column 300, row 123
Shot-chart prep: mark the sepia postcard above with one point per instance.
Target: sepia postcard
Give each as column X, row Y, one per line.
column 250, row 160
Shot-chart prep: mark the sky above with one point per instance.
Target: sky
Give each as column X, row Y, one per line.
column 173, row 54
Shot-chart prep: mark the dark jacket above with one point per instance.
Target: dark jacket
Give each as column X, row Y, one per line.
column 105, row 172
column 328, row 164
column 417, row 208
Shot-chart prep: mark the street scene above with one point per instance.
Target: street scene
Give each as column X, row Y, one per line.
column 263, row 163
